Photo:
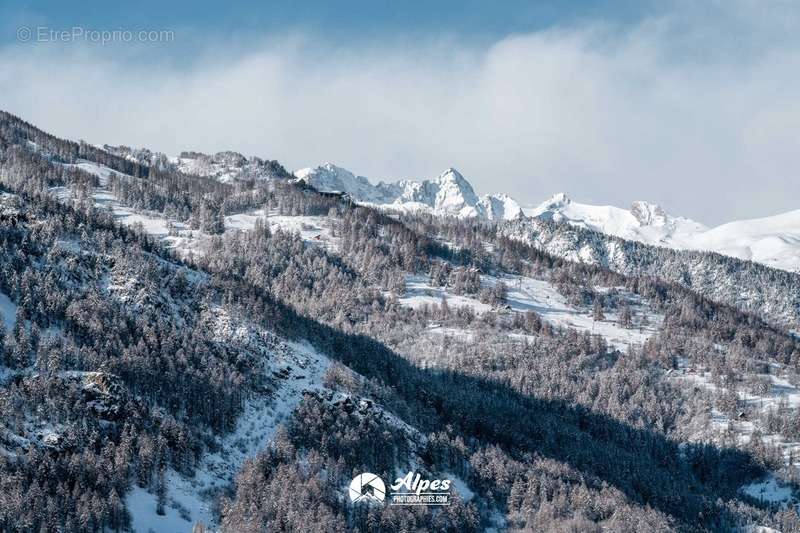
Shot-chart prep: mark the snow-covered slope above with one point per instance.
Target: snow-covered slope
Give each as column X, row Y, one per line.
column 229, row 166
column 295, row 369
column 529, row 294
column 223, row 166
column 447, row 194
column 330, row 178
column 773, row 241
column 142, row 156
column 643, row 222
column 771, row 294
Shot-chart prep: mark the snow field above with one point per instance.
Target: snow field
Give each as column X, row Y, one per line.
column 528, row 294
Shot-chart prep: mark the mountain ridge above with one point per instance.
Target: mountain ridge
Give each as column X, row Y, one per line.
column 450, row 193
column 643, row 221
column 772, row 240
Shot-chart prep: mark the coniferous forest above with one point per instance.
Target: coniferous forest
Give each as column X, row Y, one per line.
column 159, row 358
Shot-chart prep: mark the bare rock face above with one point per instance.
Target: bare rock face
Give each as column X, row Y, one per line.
column 648, row 214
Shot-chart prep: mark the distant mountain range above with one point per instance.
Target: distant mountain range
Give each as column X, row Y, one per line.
column 447, row 194
column 773, row 241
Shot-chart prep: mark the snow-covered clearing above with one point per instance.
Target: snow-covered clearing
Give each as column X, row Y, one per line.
column 182, row 238
column 103, row 173
column 8, row 310
column 528, row 294
column 463, row 334
column 769, row 490
column 419, row 292
column 542, row 297
column 142, row 508
column 758, row 529
column 781, row 394
column 781, row 391
column 460, row 487
column 314, row 230
column 152, row 223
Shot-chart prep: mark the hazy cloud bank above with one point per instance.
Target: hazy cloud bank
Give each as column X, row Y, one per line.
column 695, row 110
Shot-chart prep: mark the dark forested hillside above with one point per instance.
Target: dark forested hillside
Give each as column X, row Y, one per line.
column 182, row 351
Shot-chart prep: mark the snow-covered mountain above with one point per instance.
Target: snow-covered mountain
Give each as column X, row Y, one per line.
column 723, row 279
column 331, row 178
column 773, row 241
column 643, row 222
column 447, row 194
column 171, row 378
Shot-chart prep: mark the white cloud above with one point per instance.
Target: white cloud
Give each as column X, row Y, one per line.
column 672, row 110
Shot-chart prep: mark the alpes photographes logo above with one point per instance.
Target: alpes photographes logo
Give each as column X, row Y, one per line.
column 368, row 487
column 411, row 489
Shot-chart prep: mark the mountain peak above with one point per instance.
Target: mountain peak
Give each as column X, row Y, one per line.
column 455, row 192
column 558, row 200
column 332, row 178
column 328, row 169
column 449, row 193
column 649, row 214
column 451, row 175
column 643, row 221
column 331, row 167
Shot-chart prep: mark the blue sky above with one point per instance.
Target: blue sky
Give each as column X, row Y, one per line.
column 345, row 20
column 685, row 103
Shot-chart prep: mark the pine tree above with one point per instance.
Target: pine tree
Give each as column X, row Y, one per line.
column 625, row 317
column 3, row 359
column 597, row 311
column 116, row 510
column 21, row 345
column 161, row 491
column 445, row 307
